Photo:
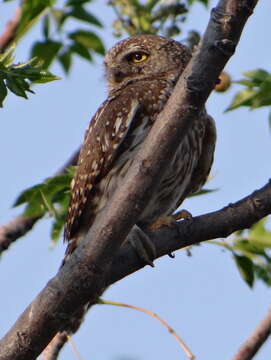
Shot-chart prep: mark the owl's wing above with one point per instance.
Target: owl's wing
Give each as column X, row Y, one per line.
column 202, row 170
column 103, row 137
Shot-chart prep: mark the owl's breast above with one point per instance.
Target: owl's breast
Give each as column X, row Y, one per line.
column 176, row 181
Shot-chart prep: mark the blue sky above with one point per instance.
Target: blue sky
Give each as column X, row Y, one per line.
column 202, row 297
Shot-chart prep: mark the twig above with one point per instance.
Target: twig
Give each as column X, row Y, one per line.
column 74, row 348
column 255, row 340
column 155, row 316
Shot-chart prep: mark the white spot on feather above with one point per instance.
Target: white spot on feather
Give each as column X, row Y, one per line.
column 118, row 124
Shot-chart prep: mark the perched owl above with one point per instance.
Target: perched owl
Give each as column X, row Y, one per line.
column 141, row 73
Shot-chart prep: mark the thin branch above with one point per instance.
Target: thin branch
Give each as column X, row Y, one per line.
column 74, row 348
column 10, row 31
column 256, row 339
column 182, row 344
column 52, row 350
column 19, row 226
column 82, row 278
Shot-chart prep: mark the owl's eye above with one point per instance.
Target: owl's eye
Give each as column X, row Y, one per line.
column 137, row 57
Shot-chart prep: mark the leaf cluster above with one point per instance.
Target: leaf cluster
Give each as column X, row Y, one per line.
column 256, row 92
column 49, row 198
column 59, row 44
column 251, row 252
column 18, row 77
column 150, row 16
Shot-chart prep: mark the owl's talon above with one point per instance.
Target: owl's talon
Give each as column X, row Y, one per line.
column 183, row 215
column 143, row 245
column 171, row 255
column 170, row 220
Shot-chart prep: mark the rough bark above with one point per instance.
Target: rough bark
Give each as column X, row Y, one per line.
column 83, row 277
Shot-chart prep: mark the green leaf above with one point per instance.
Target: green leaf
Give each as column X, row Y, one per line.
column 257, row 76
column 204, row 2
column 245, row 267
column 3, row 92
column 27, row 194
column 46, row 50
column 243, row 98
column 17, row 87
column 263, row 273
column 65, row 59
column 46, row 26
column 45, row 76
column 89, row 40
column 76, row 2
column 35, row 207
column 203, row 192
column 259, row 235
column 257, row 92
column 80, row 13
column 31, row 12
column 6, row 58
column 59, row 17
column 57, row 227
column 51, row 197
column 81, row 50
column 246, row 246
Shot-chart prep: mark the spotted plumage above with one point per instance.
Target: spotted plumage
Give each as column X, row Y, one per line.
column 141, row 74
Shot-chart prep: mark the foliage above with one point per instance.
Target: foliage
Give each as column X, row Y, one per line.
column 58, row 43
column 150, row 17
column 17, row 78
column 250, row 250
column 49, row 198
column 257, row 91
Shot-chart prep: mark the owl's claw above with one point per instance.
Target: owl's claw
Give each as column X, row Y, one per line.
column 183, row 215
column 143, row 245
column 170, row 220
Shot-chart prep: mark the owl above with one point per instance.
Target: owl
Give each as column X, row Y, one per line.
column 141, row 73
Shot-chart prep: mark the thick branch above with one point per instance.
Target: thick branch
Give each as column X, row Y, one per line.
column 19, row 226
column 82, row 278
column 219, row 224
column 256, row 339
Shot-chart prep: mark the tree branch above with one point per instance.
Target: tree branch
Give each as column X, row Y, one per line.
column 82, row 278
column 19, row 226
column 256, row 339
column 10, row 31
column 219, row 224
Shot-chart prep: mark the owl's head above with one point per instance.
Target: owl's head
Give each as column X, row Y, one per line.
column 143, row 57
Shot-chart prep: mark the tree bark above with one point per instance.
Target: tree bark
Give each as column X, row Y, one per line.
column 83, row 277
column 255, row 340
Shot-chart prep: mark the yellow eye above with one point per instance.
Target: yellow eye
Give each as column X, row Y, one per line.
column 138, row 57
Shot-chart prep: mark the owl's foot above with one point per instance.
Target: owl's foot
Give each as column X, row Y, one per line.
column 143, row 245
column 170, row 220
column 183, row 215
